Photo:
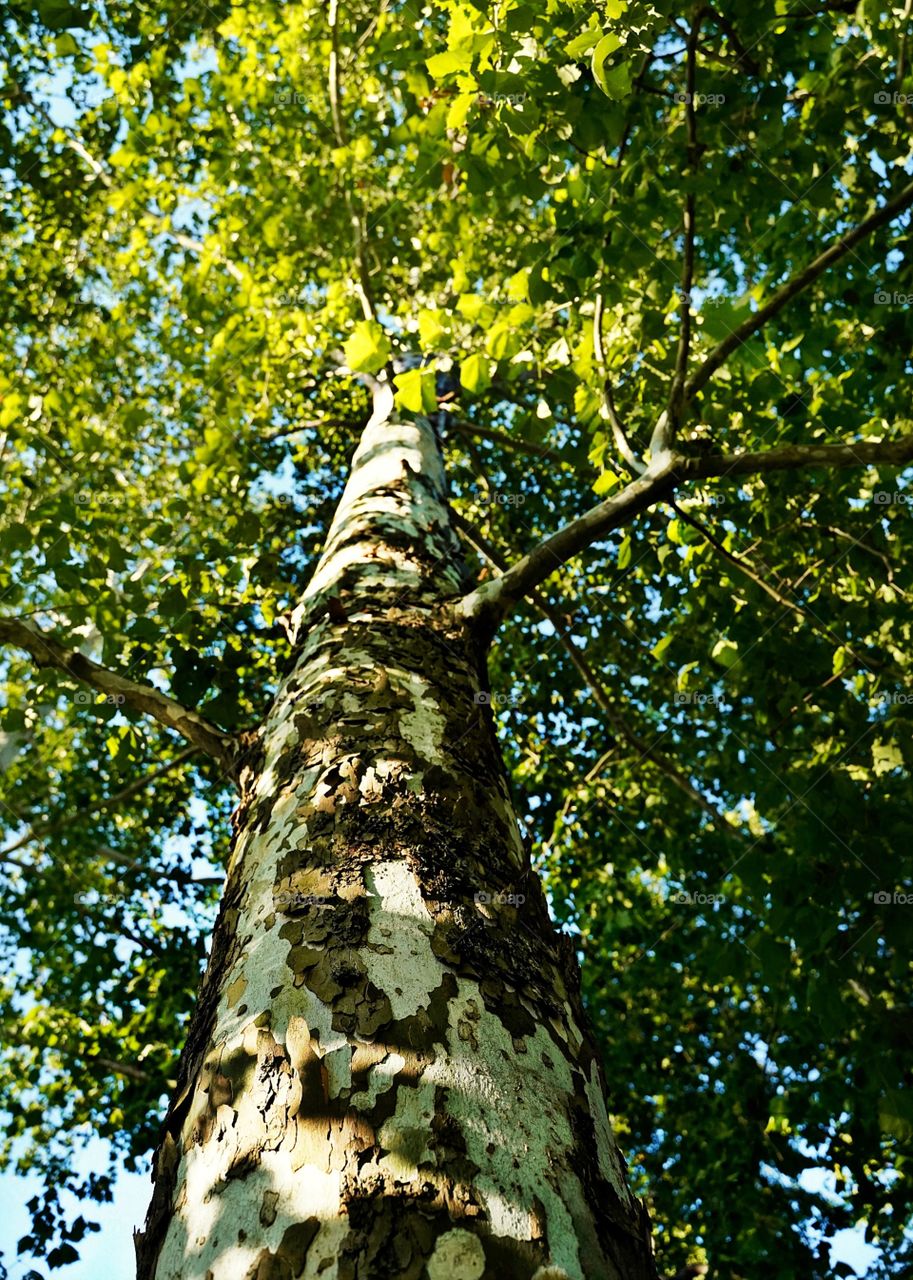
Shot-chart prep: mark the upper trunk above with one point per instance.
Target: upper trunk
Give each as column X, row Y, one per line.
column 387, row 1075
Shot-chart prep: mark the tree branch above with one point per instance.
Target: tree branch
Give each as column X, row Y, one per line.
column 515, row 443
column 196, row 729
column 619, row 435
column 744, row 60
column 51, row 825
column 669, row 421
column 797, row 456
column 600, row 694
column 791, row 606
column 123, row 1069
column 315, row 424
column 855, row 542
column 78, row 147
column 833, row 253
column 489, row 603
column 359, row 231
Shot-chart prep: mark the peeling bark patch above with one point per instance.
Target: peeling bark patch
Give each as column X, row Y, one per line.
column 288, row 1262
column 458, row 1255
column 268, row 1208
column 235, row 991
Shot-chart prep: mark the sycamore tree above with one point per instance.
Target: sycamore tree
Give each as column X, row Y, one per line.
column 454, row 607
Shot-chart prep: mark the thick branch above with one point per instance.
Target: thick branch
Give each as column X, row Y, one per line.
column 489, row 603
column 833, row 253
column 48, row 652
column 600, row 695
column 797, row 456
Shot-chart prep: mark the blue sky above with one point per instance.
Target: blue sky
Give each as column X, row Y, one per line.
column 109, row 1252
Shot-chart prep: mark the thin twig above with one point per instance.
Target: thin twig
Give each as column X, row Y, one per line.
column 356, row 219
column 78, row 147
column 600, row 695
column 892, row 208
column 748, row 571
column 619, row 435
column 669, row 422
column 517, row 444
column 45, row 828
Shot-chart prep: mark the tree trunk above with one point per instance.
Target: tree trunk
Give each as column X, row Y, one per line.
column 387, row 1075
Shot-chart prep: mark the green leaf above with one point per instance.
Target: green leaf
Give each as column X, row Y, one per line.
column 475, row 374
column 725, row 652
column 368, row 349
column 58, row 14
column 606, row 483
column 66, row 46
column 450, row 61
column 431, row 330
column 503, row 340
column 615, row 82
column 604, row 49
column 584, row 42
column 416, row 390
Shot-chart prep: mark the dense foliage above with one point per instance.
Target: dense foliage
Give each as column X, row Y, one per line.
column 709, row 736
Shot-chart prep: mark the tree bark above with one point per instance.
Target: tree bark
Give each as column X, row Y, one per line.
column 387, row 1074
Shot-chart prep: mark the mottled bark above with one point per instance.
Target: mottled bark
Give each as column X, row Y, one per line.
column 387, row 1075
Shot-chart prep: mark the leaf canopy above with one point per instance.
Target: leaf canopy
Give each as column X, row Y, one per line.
column 188, row 232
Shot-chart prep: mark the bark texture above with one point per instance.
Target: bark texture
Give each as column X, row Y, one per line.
column 387, row 1076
